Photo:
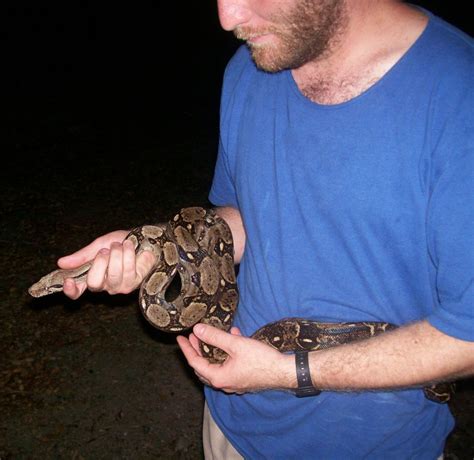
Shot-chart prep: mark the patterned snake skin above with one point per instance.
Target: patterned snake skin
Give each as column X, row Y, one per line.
column 197, row 244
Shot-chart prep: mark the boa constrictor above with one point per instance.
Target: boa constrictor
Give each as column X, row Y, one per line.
column 197, row 244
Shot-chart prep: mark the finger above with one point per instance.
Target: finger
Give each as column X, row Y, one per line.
column 213, row 336
column 114, row 272
column 88, row 252
column 97, row 273
column 129, row 276
column 73, row 290
column 198, row 363
column 79, row 257
column 186, row 347
column 145, row 261
column 194, row 341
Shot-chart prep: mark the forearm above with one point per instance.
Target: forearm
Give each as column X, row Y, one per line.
column 234, row 221
column 407, row 357
column 411, row 356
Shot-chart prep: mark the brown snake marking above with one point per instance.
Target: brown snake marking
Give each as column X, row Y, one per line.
column 197, row 244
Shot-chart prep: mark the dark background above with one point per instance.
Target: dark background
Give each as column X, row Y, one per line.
column 110, row 121
column 156, row 64
column 161, row 61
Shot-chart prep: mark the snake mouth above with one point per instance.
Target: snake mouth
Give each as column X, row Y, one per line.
column 33, row 292
column 38, row 290
column 55, row 288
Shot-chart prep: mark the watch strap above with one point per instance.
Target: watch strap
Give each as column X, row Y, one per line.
column 303, row 376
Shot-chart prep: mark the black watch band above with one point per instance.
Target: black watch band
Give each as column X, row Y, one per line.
column 305, row 384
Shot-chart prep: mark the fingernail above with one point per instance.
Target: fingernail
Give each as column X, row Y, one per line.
column 104, row 251
column 199, row 328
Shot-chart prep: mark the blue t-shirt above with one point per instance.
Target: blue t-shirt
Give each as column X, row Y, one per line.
column 356, row 211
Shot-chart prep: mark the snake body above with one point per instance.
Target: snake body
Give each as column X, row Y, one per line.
column 197, row 245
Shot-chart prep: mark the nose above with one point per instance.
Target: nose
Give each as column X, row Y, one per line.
column 233, row 13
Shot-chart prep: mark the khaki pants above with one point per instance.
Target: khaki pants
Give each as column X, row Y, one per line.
column 216, row 446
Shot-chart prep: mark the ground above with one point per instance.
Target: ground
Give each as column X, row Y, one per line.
column 91, row 379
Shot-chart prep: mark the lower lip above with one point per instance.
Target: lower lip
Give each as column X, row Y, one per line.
column 259, row 40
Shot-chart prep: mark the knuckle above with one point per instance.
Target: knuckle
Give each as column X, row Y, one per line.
column 129, row 275
column 217, row 382
column 126, row 290
column 209, row 335
column 130, row 280
column 113, row 278
column 129, row 244
column 102, row 254
column 112, row 287
column 94, row 284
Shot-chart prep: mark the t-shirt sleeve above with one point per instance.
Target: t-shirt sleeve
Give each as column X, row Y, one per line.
column 222, row 191
column 450, row 227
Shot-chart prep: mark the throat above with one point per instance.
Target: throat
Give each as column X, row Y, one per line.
column 331, row 91
column 354, row 67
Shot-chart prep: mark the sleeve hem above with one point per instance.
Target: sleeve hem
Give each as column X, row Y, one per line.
column 454, row 326
column 217, row 200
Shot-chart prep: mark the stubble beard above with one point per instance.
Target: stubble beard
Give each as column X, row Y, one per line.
column 304, row 34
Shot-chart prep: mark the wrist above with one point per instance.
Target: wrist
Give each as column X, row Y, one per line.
column 288, row 379
column 303, row 376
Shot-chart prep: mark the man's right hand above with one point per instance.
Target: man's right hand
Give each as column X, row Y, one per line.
column 115, row 269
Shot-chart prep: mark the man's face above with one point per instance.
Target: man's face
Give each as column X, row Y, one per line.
column 283, row 34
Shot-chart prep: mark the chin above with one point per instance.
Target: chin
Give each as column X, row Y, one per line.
column 268, row 59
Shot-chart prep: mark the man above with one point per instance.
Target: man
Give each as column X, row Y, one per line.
column 345, row 172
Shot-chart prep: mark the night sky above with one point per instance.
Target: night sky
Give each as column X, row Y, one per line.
column 156, row 57
column 153, row 59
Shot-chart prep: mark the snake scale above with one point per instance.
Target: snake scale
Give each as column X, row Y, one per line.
column 197, row 245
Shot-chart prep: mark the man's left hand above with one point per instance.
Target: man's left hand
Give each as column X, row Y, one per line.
column 251, row 365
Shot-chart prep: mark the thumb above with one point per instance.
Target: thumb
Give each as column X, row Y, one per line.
column 88, row 252
column 213, row 336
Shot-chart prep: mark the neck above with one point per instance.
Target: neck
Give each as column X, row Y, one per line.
column 373, row 38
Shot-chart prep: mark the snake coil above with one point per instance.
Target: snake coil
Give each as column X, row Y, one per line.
column 197, row 245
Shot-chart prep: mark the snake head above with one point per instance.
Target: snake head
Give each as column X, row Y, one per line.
column 54, row 281
column 40, row 290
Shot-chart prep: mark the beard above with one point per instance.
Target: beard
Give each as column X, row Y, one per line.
column 303, row 34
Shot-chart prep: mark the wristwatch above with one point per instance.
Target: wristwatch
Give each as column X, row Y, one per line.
column 305, row 384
